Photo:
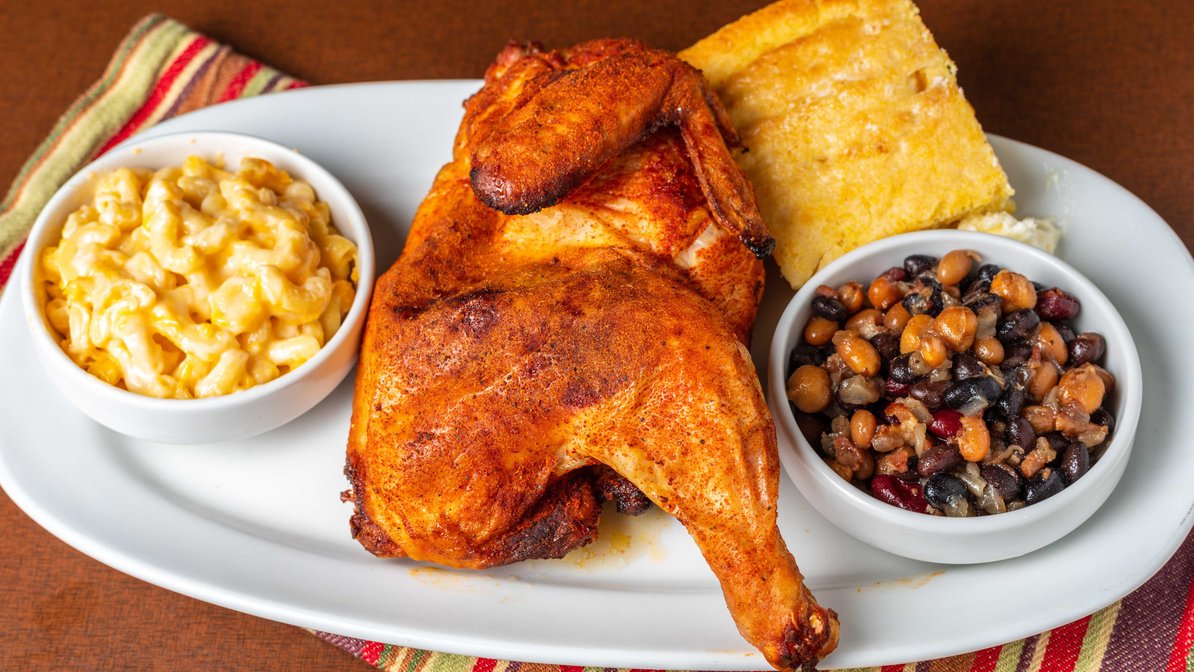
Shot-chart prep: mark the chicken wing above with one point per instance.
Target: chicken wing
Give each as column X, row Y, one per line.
column 574, row 298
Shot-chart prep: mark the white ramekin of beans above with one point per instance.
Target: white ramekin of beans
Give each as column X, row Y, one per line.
column 953, row 396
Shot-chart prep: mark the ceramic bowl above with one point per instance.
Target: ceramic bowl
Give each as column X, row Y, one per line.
column 939, row 538
column 233, row 416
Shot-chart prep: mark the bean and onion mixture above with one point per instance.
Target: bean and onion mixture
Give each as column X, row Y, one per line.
column 951, row 387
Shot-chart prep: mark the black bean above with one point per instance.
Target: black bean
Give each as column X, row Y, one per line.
column 1020, row 375
column 1020, row 433
column 887, row 345
column 1102, row 416
column 988, row 272
column 925, row 298
column 1067, row 333
column 1057, row 441
column 806, row 354
column 901, row 369
column 1075, row 462
column 976, row 290
column 967, row 365
column 811, row 425
column 830, row 308
column 1039, row 287
column 941, row 487
column 1006, row 481
column 919, row 263
column 1015, row 355
column 928, row 392
column 1017, row 326
column 1086, row 347
column 1010, row 402
column 1041, row 487
column 983, row 301
column 961, row 392
column 1054, row 304
column 941, row 457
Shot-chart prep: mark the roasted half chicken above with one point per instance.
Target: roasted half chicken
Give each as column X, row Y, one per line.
column 566, row 325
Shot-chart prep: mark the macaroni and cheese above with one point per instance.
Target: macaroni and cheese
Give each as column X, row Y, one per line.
column 194, row 281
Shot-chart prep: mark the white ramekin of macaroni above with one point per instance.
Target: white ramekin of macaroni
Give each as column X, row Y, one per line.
column 198, row 287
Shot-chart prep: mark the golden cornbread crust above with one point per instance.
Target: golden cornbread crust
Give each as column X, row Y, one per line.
column 855, row 125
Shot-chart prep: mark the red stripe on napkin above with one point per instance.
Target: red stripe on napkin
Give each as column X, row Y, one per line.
column 237, row 85
column 1185, row 634
column 159, row 93
column 1065, row 643
column 8, row 262
column 371, row 652
column 985, row 660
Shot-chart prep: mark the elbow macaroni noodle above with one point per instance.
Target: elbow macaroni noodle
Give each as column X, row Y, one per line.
column 194, row 281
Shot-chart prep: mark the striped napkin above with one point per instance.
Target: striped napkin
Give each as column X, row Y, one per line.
column 164, row 69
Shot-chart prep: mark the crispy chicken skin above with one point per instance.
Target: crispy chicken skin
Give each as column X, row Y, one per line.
column 574, row 298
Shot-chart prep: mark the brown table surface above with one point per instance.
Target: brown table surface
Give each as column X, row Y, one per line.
column 1104, row 82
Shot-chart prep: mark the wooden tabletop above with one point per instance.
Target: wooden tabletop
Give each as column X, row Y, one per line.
column 1104, row 82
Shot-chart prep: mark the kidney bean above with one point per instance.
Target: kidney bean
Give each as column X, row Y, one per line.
column 941, row 457
column 895, row 274
column 1054, row 304
column 893, row 388
column 1075, row 462
column 1085, row 348
column 946, row 423
column 830, row 308
column 1017, row 326
column 908, row 496
column 940, row 488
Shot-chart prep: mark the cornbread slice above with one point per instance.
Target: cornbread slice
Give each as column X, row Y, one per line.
column 855, row 125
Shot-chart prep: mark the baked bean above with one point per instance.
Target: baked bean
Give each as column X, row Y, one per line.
column 857, row 353
column 1017, row 291
column 851, row 295
column 862, row 427
column 808, row 388
column 956, row 326
column 884, row 293
column 819, row 330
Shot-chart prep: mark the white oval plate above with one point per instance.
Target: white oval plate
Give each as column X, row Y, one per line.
column 257, row 526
